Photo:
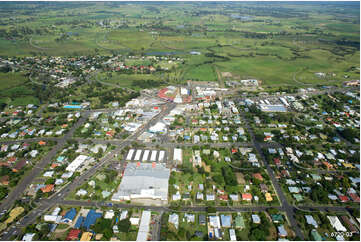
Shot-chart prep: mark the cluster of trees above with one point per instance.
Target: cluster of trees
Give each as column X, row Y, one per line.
column 260, row 231
column 23, row 31
column 350, row 134
column 3, row 192
column 104, row 226
column 14, row 177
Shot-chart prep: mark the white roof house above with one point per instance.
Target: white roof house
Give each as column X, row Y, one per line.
column 123, row 215
column 232, row 235
column 109, row 214
column 56, row 211
column 134, row 221
column 310, row 220
column 28, row 237
column 336, row 223
column 144, row 226
column 177, row 155
column 215, row 222
column 52, row 218
column 76, row 163
column 143, row 181
column 184, row 91
column 48, row 174
column 174, row 219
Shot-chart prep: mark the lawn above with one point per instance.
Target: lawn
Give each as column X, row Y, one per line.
column 10, row 79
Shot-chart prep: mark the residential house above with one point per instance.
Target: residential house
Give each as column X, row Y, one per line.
column 239, row 222
column 226, row 220
column 282, row 231
column 73, row 234
column 310, row 220
column 247, row 197
column 256, row 219
column 336, row 224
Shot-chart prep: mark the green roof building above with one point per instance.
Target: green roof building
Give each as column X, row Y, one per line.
column 298, row 197
column 277, row 218
column 315, row 235
column 239, row 221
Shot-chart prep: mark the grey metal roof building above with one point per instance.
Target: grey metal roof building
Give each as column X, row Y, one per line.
column 273, row 108
column 143, row 181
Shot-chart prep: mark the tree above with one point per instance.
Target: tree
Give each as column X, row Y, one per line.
column 211, row 210
column 218, row 179
column 257, row 234
column 124, row 225
column 101, row 225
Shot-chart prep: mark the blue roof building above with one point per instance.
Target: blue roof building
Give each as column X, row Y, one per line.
column 69, row 216
column 79, row 222
column 226, row 220
column 91, row 219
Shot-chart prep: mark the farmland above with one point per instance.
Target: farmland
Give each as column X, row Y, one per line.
column 283, row 46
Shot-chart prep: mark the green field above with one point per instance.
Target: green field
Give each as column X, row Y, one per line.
column 13, row 90
column 277, row 43
column 9, row 80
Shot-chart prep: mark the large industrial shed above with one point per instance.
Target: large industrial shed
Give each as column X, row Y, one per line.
column 143, row 181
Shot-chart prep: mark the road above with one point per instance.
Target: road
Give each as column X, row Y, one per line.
column 281, row 196
column 18, row 191
column 59, row 196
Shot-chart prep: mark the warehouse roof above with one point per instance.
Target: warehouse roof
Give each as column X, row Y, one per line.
column 143, row 180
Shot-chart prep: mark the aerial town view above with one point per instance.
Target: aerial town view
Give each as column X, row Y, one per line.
column 179, row 121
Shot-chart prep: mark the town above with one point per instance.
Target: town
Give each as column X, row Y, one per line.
column 130, row 125
column 184, row 162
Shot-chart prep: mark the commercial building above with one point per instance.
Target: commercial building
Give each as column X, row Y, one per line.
column 76, row 163
column 159, row 127
column 272, row 108
column 143, row 181
column 144, row 226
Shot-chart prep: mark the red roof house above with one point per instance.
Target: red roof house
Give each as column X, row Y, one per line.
column 258, row 176
column 74, row 234
column 247, row 196
column 354, row 197
column 343, row 198
column 48, row 188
